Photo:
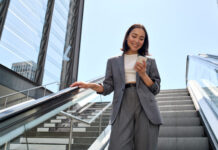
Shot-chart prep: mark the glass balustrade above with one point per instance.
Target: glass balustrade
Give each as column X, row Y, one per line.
column 74, row 124
column 204, row 71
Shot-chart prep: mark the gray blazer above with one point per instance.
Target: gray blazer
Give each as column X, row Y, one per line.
column 115, row 81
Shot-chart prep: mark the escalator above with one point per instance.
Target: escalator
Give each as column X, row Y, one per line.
column 69, row 119
column 79, row 119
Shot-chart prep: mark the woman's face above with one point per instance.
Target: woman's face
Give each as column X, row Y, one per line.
column 136, row 39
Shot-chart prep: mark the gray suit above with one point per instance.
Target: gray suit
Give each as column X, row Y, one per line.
column 115, row 81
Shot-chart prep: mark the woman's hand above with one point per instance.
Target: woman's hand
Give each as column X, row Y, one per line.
column 94, row 86
column 140, row 68
column 80, row 85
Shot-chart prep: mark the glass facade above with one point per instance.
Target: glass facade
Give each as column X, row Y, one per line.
column 22, row 32
column 203, row 70
column 53, row 63
column 21, row 37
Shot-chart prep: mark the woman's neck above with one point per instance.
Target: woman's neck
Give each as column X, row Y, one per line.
column 129, row 52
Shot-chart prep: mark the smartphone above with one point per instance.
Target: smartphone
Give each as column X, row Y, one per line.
column 141, row 58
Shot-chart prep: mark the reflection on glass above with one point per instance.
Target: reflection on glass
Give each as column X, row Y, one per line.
column 53, row 63
column 21, row 35
column 54, row 130
column 17, row 143
column 204, row 71
column 26, row 69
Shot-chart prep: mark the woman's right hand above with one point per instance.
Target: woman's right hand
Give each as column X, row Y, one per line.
column 80, row 85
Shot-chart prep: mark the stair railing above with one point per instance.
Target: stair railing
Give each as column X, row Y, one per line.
column 26, row 96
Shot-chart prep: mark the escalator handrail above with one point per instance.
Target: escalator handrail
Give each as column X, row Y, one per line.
column 16, row 109
column 30, row 89
column 11, row 111
column 211, row 63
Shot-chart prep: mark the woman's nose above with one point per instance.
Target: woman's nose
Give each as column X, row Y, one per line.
column 137, row 40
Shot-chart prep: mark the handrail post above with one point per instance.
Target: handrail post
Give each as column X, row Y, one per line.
column 6, row 100
column 44, row 90
column 71, row 134
column 27, row 95
column 6, row 146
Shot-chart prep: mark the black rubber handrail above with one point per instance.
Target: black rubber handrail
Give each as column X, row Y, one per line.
column 17, row 109
column 18, row 115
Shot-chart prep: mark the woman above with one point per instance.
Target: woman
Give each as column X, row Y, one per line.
column 135, row 115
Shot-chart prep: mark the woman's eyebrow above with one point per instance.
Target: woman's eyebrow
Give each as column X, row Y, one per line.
column 137, row 34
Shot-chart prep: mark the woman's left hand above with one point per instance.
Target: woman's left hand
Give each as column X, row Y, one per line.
column 140, row 68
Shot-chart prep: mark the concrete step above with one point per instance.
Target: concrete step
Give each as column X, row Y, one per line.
column 183, row 143
column 181, row 131
column 176, row 107
column 181, row 121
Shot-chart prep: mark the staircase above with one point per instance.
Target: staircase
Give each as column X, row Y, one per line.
column 55, row 132
column 182, row 128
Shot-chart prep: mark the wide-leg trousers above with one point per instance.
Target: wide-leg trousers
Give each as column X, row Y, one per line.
column 132, row 130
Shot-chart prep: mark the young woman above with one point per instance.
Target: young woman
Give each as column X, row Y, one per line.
column 135, row 115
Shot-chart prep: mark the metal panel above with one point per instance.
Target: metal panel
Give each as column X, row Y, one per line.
column 4, row 4
column 44, row 42
column 17, row 82
column 72, row 44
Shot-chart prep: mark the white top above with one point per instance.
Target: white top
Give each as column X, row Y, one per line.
column 129, row 63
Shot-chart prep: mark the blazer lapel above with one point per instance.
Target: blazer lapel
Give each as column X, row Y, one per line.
column 121, row 67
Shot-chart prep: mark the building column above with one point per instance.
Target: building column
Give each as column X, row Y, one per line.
column 70, row 62
column 4, row 4
column 44, row 42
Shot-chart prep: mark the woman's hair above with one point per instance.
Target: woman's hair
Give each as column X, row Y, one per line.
column 144, row 49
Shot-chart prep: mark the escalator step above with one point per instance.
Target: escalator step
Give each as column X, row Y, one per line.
column 183, row 143
column 187, row 131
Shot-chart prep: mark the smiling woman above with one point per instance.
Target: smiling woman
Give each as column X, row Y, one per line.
column 135, row 40
column 135, row 116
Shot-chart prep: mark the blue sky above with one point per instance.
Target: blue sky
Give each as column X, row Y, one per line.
column 176, row 28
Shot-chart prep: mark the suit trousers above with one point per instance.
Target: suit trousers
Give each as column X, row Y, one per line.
column 132, row 130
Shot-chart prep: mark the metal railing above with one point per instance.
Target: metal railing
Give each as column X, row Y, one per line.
column 202, row 83
column 17, row 120
column 23, row 95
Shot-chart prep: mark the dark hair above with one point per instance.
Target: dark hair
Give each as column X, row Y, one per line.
column 144, row 49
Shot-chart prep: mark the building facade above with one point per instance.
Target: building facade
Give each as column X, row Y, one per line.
column 33, row 38
column 26, row 69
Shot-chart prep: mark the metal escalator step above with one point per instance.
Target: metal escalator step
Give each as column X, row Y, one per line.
column 37, row 147
column 63, row 134
column 167, row 98
column 172, row 94
column 43, row 140
column 176, row 107
column 181, row 131
column 84, row 140
column 187, row 113
column 181, row 121
column 83, row 146
column 183, row 143
column 172, row 102
column 174, row 91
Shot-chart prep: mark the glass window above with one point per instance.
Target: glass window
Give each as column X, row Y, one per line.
column 22, row 32
column 53, row 63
